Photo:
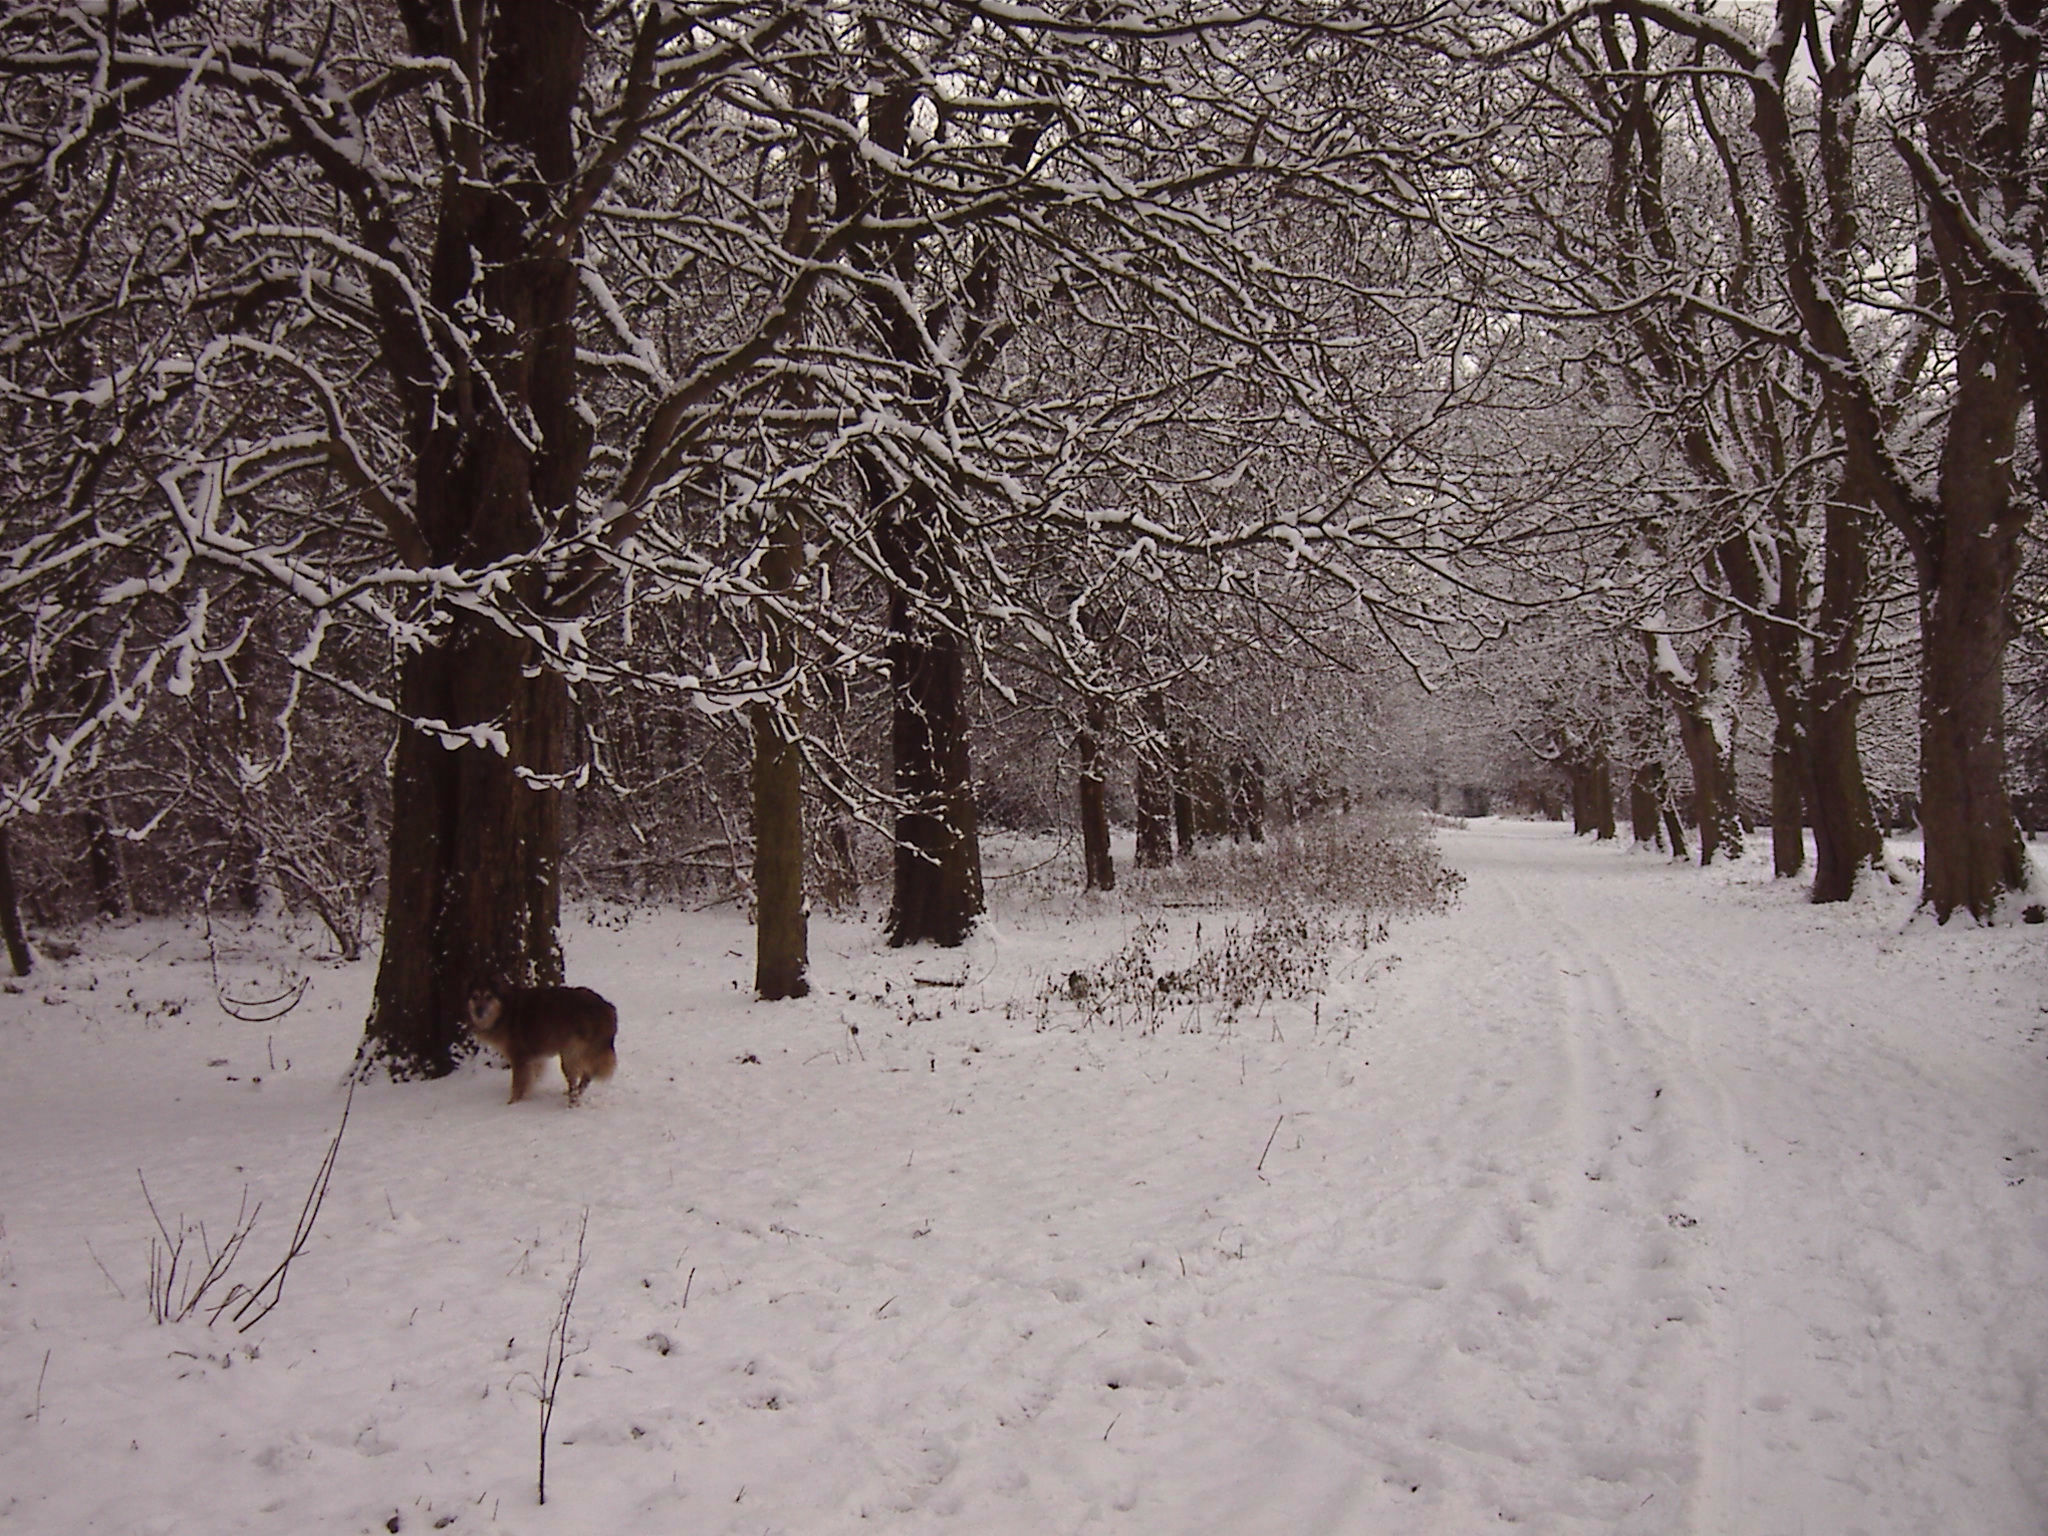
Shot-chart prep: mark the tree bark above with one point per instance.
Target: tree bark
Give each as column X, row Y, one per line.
column 1814, row 750
column 782, row 952
column 1592, row 782
column 1788, row 801
column 1644, row 798
column 103, row 864
column 1972, row 845
column 1183, row 796
column 1674, row 829
column 1712, row 758
column 1706, row 732
column 1771, row 629
column 938, row 892
column 474, row 890
column 1154, row 791
column 1098, row 863
column 1974, row 77
column 1846, row 839
column 19, row 955
column 475, row 847
column 1603, row 801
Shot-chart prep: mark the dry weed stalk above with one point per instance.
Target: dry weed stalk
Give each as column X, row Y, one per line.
column 180, row 1285
column 549, row 1382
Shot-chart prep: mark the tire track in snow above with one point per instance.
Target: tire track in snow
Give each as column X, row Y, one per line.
column 1517, row 1324
column 1738, row 1326
column 1836, row 1126
column 1652, row 1126
column 1771, row 1239
column 1842, row 1400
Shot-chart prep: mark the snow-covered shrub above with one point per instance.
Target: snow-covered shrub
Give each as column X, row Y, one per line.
column 1290, row 906
column 1374, row 860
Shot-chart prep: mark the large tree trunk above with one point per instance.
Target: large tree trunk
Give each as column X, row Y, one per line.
column 1183, row 796
column 782, row 946
column 19, row 955
column 938, row 891
column 1154, row 792
column 1706, row 730
column 476, row 848
column 1097, row 862
column 1967, row 568
column 474, row 890
column 1674, row 830
column 1766, row 579
column 1645, row 794
column 1846, row 839
column 1603, row 802
column 938, row 853
column 782, row 951
column 1788, row 800
column 1592, row 782
column 1973, row 849
column 1710, row 752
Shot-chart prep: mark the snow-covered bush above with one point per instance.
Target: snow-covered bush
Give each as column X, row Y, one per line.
column 1376, row 860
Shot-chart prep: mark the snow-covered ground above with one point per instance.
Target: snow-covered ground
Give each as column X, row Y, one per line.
column 1622, row 1197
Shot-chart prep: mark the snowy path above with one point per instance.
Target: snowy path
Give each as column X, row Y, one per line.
column 1727, row 1219
column 1621, row 1198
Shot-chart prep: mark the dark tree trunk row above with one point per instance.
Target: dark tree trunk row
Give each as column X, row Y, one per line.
column 1816, row 772
column 1816, row 762
column 1965, row 538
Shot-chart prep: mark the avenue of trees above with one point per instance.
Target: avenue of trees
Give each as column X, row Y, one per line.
column 435, row 435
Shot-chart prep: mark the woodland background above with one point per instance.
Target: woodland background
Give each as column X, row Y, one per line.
column 459, row 454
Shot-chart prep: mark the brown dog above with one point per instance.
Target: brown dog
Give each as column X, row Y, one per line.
column 527, row 1025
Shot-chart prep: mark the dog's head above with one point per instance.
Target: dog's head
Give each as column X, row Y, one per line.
column 485, row 1006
